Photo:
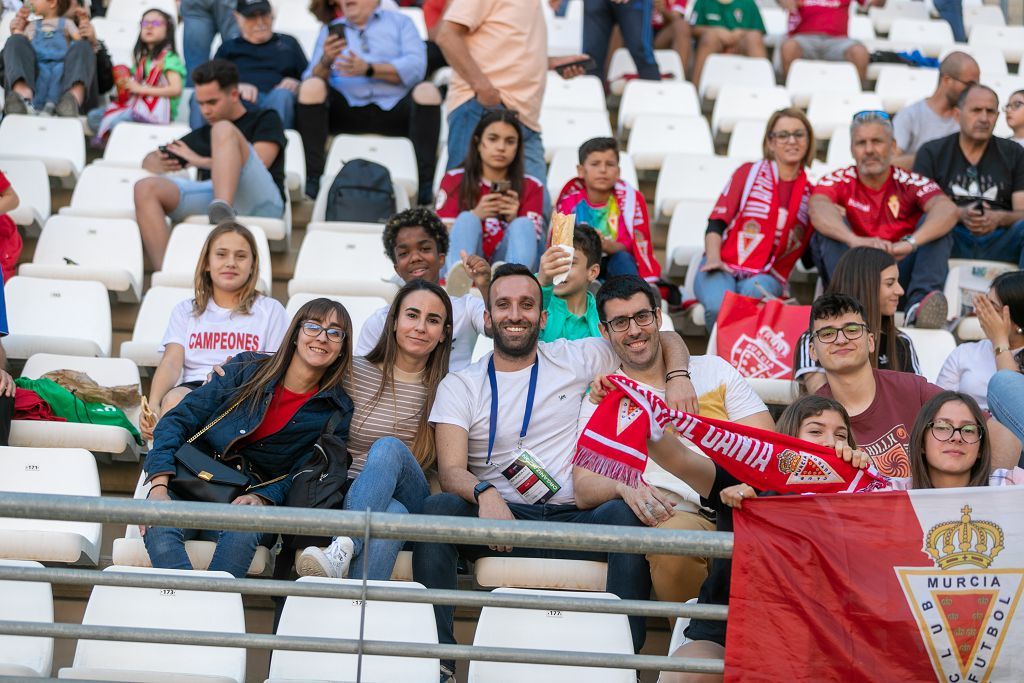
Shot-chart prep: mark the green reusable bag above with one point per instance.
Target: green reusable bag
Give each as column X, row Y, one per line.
column 73, row 409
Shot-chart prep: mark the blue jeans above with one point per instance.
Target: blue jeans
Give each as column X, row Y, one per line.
column 202, row 20
column 519, row 245
column 391, row 481
column 634, row 20
column 1002, row 244
column 234, row 553
column 434, row 564
column 1006, row 400
column 711, row 287
column 278, row 99
column 952, row 11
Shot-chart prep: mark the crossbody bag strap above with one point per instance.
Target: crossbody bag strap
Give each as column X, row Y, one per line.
column 219, row 418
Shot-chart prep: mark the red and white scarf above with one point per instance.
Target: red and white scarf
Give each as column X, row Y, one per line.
column 144, row 108
column 614, row 444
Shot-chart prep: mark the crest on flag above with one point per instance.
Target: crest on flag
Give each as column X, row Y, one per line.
column 804, row 468
column 628, row 413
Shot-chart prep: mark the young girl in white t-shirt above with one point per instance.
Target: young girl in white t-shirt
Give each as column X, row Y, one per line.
column 226, row 317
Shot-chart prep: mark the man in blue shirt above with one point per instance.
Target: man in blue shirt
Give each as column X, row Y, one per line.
column 365, row 77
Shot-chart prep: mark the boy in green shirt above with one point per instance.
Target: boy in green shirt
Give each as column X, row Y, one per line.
column 732, row 27
column 571, row 308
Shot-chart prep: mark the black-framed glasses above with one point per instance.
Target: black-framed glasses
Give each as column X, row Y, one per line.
column 621, row 324
column 943, row 431
column 851, row 331
column 312, row 329
column 871, row 114
column 1013, row 106
column 787, row 135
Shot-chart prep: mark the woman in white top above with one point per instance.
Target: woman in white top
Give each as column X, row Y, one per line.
column 1015, row 115
column 226, row 317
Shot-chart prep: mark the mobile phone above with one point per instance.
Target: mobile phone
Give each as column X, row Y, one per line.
column 587, row 63
column 980, row 207
column 181, row 160
column 337, row 30
column 501, row 186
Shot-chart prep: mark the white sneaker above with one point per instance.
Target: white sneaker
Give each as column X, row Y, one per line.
column 331, row 562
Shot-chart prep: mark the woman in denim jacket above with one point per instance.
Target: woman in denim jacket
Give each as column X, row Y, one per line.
column 278, row 406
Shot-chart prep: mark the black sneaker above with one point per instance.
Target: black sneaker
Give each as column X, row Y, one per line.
column 219, row 211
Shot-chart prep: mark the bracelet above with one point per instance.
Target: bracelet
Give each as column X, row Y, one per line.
column 1001, row 348
column 155, row 486
column 677, row 373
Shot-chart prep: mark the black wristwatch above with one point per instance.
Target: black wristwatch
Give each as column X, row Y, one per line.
column 480, row 488
column 369, row 70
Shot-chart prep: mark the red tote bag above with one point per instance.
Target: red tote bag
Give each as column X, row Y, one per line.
column 758, row 336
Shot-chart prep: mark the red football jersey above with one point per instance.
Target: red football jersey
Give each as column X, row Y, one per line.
column 829, row 17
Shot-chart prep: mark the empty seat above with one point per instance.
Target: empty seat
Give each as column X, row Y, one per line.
column 295, row 164
column 29, row 180
column 745, row 103
column 396, row 622
column 571, row 128
column 143, row 348
column 565, row 34
column 563, row 164
column 105, row 192
column 807, row 77
column 746, row 142
column 828, row 111
column 899, row 85
column 167, row 608
column 540, row 572
column 58, row 143
column 551, row 630
column 860, row 28
column 347, row 226
column 108, row 250
column 839, row 154
column 396, row 154
column 670, row 98
column 56, row 316
column 932, row 347
column 977, row 15
column 129, row 142
column 359, row 307
column 25, row 601
column 686, row 232
column 883, row 17
column 64, row 471
column 582, row 92
column 622, row 69
column 343, row 263
column 721, row 69
column 776, row 23
column 1009, row 39
column 691, row 177
column 656, row 136
column 928, row 36
column 183, row 251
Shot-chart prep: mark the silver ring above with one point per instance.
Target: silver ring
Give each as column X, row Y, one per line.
column 740, row 493
column 650, row 508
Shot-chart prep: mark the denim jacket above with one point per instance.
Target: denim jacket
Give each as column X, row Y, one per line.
column 276, row 455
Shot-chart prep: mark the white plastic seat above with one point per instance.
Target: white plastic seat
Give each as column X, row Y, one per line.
column 367, row 270
column 990, row 59
column 294, row 164
column 776, row 24
column 183, row 251
column 667, row 98
column 967, row 277
column 580, row 93
column 129, row 142
column 64, row 471
column 746, row 140
column 839, row 154
column 860, row 28
column 828, row 111
column 359, row 307
column 108, row 250
column 29, row 180
column 883, row 17
column 540, row 572
column 621, row 68
column 118, row 33
column 1009, row 39
column 105, row 192
column 571, row 128
column 928, row 36
column 396, row 154
column 551, row 630
column 58, row 143
column 160, row 608
column 397, row 622
column 131, row 11
column 565, row 34
column 691, row 177
column 932, row 347
column 978, row 15
column 563, row 164
column 484, row 345
column 808, row 77
column 900, row 85
column 678, row 628
column 56, row 316
column 745, row 103
column 347, row 226
column 736, row 69
column 143, row 348
column 656, row 136
column 25, row 601
column 686, row 232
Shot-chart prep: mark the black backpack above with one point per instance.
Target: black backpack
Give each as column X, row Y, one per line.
column 361, row 192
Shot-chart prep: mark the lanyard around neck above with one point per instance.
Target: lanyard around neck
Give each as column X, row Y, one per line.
column 492, row 426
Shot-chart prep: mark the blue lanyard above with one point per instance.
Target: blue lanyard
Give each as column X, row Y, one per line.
column 493, row 425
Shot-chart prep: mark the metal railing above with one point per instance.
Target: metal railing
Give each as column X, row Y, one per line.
column 283, row 520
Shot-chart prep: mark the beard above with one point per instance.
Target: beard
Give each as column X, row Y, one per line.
column 518, row 348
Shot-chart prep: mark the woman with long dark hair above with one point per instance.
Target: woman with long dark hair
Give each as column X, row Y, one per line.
column 263, row 416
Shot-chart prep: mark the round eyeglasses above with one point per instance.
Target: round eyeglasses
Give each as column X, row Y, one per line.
column 943, row 431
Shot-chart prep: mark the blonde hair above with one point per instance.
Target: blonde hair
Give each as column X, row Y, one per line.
column 203, row 282
column 789, row 113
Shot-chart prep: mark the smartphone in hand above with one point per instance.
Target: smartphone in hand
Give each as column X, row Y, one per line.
column 501, row 186
column 166, row 152
column 587, row 63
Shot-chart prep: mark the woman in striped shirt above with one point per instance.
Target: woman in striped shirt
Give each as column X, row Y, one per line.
column 390, row 440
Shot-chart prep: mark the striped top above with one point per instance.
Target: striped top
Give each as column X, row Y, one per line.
column 393, row 414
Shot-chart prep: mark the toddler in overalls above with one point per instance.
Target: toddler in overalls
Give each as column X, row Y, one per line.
column 51, row 37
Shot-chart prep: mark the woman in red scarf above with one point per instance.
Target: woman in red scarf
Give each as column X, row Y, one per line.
column 759, row 227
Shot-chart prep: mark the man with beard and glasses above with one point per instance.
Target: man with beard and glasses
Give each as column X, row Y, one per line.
column 515, row 411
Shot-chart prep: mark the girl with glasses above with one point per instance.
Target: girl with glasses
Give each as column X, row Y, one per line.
column 262, row 416
column 1015, row 115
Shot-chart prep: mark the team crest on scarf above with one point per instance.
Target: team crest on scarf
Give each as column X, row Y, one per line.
column 805, row 468
column 628, row 413
column 747, row 240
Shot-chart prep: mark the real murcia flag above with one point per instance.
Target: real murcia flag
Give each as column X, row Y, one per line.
column 892, row 586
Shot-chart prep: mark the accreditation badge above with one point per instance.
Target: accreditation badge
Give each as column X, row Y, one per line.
column 527, row 475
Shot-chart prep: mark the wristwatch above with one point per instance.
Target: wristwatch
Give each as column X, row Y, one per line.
column 1001, row 348
column 480, row 488
column 369, row 70
column 909, row 239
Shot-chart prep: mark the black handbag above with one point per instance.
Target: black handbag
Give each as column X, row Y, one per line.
column 323, row 480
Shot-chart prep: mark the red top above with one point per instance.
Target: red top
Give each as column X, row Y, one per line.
column 891, row 212
column 432, row 12
column 282, row 408
column 658, row 19
column 10, row 238
column 830, row 17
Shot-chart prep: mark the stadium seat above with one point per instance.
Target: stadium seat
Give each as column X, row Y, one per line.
column 989, row 58
column 160, row 608
column 396, row 622
column 359, row 307
column 347, row 226
column 543, row 573
column 396, row 154
column 776, row 22
column 746, row 140
column 839, row 154
column 828, row 111
column 28, row 178
column 25, row 601
column 108, row 250
column 987, row 15
column 565, row 34
column 183, row 251
column 129, row 142
column 56, row 316
column 808, row 77
column 686, row 232
column 928, row 36
column 1009, row 39
column 860, row 28
column 484, row 345
column 655, row 136
column 691, row 177
column 119, row 35
column 58, row 143
column 571, row 128
column 932, row 347
column 319, row 213
column 295, row 164
column 580, row 93
column 144, row 347
column 678, row 638
column 65, row 471
column 900, row 85
column 131, row 11
column 668, row 98
column 968, row 277
column 551, row 630
column 105, row 192
column 130, row 551
column 883, row 17
column 563, row 169
column 367, row 270
column 745, row 103
column 622, row 69
column 735, row 69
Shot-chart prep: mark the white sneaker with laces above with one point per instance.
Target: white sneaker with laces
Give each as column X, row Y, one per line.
column 331, row 562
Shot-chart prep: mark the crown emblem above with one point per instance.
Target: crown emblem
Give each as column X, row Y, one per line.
column 789, row 460
column 966, row 542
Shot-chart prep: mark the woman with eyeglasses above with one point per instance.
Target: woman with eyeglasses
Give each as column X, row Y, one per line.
column 263, row 414
column 1015, row 116
column 759, row 228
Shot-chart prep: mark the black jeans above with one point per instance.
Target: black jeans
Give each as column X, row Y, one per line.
column 79, row 67
column 6, row 415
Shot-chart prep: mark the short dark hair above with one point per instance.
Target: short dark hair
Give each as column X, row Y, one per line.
column 508, row 270
column 413, row 218
column 222, row 71
column 833, row 306
column 975, row 86
column 598, row 145
column 586, row 239
column 623, row 287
